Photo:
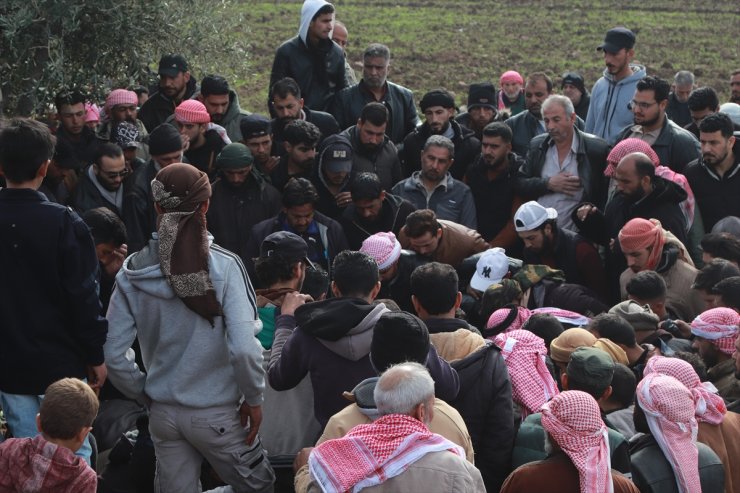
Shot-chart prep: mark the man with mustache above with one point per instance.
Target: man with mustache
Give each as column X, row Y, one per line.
column 565, row 166
column 175, row 86
column 608, row 112
column 438, row 107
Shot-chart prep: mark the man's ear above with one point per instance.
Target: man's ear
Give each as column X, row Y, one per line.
column 43, row 169
column 458, row 300
column 375, row 291
column 564, row 380
column 335, row 290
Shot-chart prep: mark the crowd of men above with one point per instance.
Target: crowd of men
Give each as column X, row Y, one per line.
column 540, row 293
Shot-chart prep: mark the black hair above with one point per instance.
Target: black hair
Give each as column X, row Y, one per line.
column 545, row 326
column 717, row 122
column 301, row 132
column 624, row 385
column 703, row 98
column 713, row 272
column 435, row 286
column 498, row 129
column 139, row 90
column 355, row 273
column 25, row 145
column 534, row 77
column 285, row 87
column 316, row 282
column 213, row 84
column 615, row 328
column 366, row 186
column 326, row 9
column 590, row 386
column 299, row 191
column 105, row 226
column 272, row 270
column 722, row 245
column 644, row 166
column 647, row 285
column 660, row 87
column 106, row 149
column 70, row 97
column 375, row 113
column 729, row 292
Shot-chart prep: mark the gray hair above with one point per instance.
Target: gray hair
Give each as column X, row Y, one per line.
column 440, row 141
column 683, row 78
column 377, row 50
column 561, row 100
column 402, row 387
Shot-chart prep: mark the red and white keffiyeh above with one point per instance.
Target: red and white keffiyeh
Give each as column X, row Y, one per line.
column 719, row 326
column 669, row 409
column 709, row 406
column 573, row 420
column 373, row 453
column 638, row 234
column 497, row 320
column 532, row 384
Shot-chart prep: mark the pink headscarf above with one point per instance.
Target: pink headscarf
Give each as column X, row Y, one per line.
column 641, row 233
column 710, row 407
column 508, row 76
column 669, row 409
column 630, row 145
column 498, row 317
column 531, row 382
column 719, row 326
column 573, row 420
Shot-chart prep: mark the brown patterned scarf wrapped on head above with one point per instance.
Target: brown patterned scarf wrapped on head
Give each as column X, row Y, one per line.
column 179, row 189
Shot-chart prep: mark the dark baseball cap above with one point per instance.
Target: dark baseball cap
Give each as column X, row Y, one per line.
column 286, row 245
column 255, row 125
column 172, row 64
column 336, row 154
column 574, row 79
column 616, row 39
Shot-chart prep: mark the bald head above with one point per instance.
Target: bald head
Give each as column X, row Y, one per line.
column 634, row 175
column 340, row 35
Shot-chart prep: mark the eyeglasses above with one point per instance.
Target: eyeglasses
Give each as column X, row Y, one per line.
column 116, row 174
column 639, row 104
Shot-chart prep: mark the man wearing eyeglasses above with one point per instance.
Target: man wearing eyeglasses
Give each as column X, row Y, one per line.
column 674, row 146
column 102, row 183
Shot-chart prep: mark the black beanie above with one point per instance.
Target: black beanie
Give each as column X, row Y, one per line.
column 398, row 337
column 164, row 139
column 437, row 97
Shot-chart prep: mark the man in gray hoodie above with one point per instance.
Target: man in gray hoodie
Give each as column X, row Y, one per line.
column 194, row 311
column 609, row 112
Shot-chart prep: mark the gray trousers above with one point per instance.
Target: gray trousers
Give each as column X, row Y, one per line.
column 184, row 436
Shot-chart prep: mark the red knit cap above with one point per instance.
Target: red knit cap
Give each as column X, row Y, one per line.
column 192, row 111
column 641, row 233
column 120, row 96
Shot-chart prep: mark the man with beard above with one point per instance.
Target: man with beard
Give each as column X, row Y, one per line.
column 574, row 87
column 674, row 146
column 511, row 95
column 332, row 176
column 287, row 106
column 301, row 139
column 715, row 334
column 714, row 177
column 438, row 107
column 121, row 105
column 434, row 187
column 481, row 108
column 492, row 180
column 373, row 150
column 323, row 235
column 102, row 183
column 608, row 112
column 375, row 87
column 547, row 244
column 257, row 136
column 372, row 210
column 312, row 58
column 564, row 166
column 175, row 86
column 62, row 174
column 222, row 104
column 528, row 123
column 201, row 144
column 241, row 198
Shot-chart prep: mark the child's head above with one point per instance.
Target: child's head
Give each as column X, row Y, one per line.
column 67, row 411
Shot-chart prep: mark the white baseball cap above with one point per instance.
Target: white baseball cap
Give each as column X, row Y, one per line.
column 492, row 267
column 531, row 215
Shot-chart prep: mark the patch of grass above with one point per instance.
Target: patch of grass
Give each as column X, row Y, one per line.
column 437, row 43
